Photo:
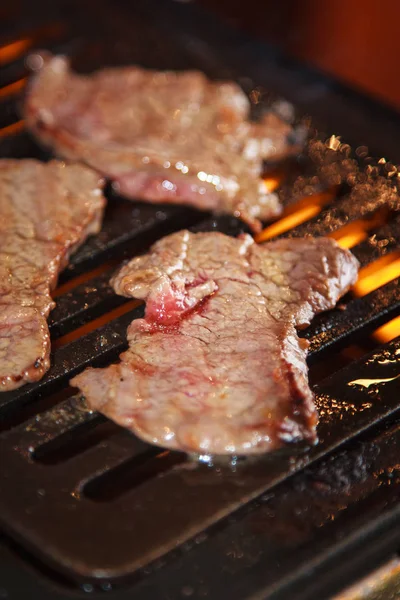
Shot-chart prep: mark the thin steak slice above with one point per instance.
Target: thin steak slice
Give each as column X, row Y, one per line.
column 216, row 366
column 47, row 210
column 161, row 136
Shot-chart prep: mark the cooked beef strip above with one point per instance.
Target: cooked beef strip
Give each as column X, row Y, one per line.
column 47, row 210
column 161, row 136
column 216, row 366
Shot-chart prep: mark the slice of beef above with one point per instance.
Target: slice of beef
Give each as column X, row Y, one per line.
column 216, row 366
column 161, row 136
column 47, row 210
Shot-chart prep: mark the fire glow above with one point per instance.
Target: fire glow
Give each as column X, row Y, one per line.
column 13, row 88
column 12, row 129
column 371, row 277
column 377, row 274
column 12, row 51
column 302, row 211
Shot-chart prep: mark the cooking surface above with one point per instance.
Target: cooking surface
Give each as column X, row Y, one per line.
column 86, row 507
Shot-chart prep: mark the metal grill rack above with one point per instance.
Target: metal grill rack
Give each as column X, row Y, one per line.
column 88, row 508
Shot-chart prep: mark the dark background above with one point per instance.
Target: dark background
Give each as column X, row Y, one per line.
column 357, row 41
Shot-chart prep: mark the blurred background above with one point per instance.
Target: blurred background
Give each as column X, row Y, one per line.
column 357, row 41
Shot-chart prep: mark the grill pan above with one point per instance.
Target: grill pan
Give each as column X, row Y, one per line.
column 87, row 508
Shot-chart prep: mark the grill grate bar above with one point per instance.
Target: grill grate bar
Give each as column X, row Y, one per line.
column 84, row 303
column 103, row 457
column 127, row 228
column 16, row 70
column 81, row 470
column 363, row 201
column 361, row 317
column 44, row 428
column 382, row 241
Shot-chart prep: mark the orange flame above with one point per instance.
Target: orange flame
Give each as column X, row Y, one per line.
column 95, row 324
column 294, row 215
column 12, row 51
column 388, row 331
column 272, row 182
column 13, row 88
column 12, row 129
column 373, row 277
column 84, row 277
column 350, row 235
column 378, row 273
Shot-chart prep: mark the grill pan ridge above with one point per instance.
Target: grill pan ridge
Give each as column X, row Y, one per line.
column 88, row 508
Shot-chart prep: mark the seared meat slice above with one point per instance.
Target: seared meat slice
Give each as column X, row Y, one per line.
column 47, row 210
column 161, row 136
column 216, row 366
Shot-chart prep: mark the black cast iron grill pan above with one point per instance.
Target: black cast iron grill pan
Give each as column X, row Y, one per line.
column 89, row 507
